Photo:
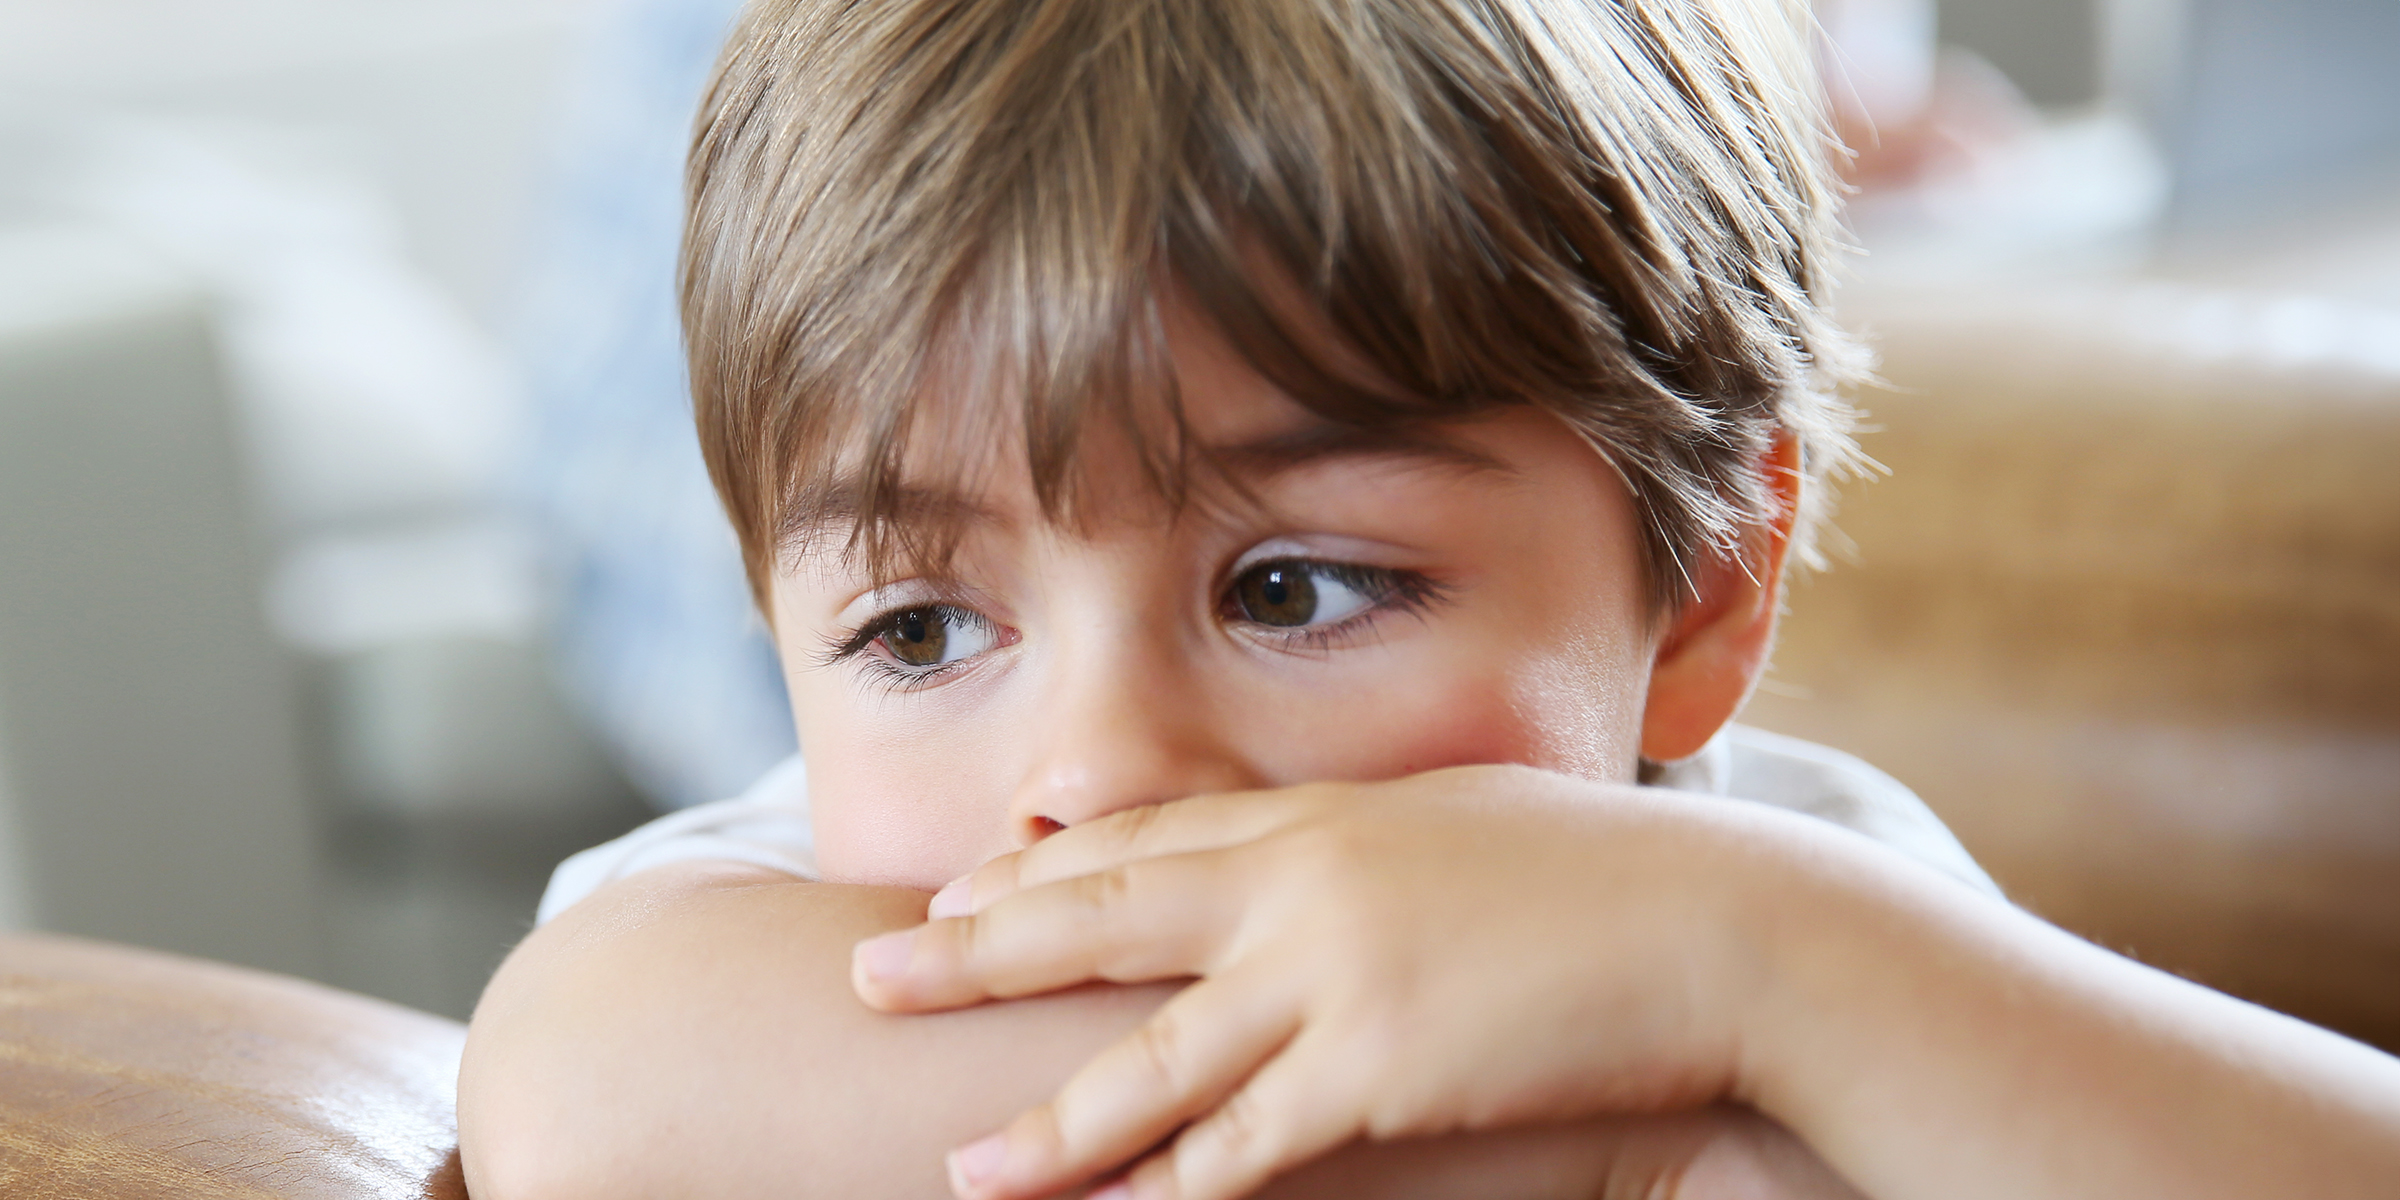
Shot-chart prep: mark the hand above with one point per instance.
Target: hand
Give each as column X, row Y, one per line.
column 1463, row 950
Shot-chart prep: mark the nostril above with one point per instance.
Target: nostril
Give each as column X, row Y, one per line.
column 1043, row 827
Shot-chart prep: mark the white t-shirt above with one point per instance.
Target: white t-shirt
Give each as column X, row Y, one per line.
column 767, row 825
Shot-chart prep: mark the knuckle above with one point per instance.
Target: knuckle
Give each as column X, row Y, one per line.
column 1133, row 827
column 1161, row 1047
column 1235, row 1139
column 1104, row 892
column 1044, row 1128
column 973, row 946
column 1001, row 875
column 1327, row 848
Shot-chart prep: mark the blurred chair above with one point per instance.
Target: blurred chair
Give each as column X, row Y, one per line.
column 129, row 1074
column 2127, row 614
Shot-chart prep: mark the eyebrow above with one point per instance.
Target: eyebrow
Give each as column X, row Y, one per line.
column 842, row 505
column 921, row 509
column 1324, row 441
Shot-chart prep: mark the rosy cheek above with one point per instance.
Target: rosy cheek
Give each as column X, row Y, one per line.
column 889, row 828
column 895, row 802
column 1573, row 713
column 1580, row 714
column 1387, row 730
column 1465, row 726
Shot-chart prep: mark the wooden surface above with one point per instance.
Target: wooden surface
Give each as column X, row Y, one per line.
column 126, row 1073
column 2127, row 614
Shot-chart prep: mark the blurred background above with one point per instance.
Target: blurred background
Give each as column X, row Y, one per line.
column 356, row 564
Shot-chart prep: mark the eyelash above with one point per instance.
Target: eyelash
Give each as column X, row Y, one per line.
column 1396, row 592
column 1401, row 593
column 853, row 646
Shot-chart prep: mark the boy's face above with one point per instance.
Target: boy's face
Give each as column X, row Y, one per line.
column 1383, row 610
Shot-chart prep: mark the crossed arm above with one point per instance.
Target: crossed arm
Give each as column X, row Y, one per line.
column 692, row 1031
column 1552, row 948
column 1461, row 977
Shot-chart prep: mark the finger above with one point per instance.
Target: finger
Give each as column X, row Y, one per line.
column 1182, row 1062
column 1196, row 823
column 1289, row 1112
column 1160, row 918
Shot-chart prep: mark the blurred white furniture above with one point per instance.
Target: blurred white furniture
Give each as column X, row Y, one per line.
column 372, row 799
column 149, row 773
column 375, row 774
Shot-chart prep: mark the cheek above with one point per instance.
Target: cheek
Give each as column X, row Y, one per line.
column 1453, row 722
column 896, row 797
column 1580, row 711
column 1573, row 707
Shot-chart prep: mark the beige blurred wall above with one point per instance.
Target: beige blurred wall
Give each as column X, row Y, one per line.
column 2126, row 611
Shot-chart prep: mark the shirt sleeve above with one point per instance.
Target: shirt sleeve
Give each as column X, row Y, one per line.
column 1771, row 768
column 766, row 826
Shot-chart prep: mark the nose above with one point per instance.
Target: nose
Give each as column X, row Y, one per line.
column 1122, row 727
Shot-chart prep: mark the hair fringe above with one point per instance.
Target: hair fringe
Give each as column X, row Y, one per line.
column 1620, row 211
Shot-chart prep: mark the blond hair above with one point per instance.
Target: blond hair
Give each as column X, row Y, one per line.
column 1619, row 211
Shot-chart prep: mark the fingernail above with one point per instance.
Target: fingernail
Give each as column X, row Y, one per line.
column 887, row 956
column 976, row 1163
column 956, row 899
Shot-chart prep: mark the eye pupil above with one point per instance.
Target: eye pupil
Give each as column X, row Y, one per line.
column 918, row 637
column 1278, row 594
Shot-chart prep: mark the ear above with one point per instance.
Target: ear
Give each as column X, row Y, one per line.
column 1717, row 646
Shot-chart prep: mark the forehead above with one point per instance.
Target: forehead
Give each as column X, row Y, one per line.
column 1219, row 433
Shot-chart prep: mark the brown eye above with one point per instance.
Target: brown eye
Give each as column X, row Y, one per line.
column 1281, row 594
column 920, row 643
column 918, row 636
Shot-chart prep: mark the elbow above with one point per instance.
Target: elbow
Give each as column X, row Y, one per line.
column 501, row 1144
column 517, row 1136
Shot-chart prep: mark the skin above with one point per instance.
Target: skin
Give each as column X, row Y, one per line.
column 676, row 1032
column 721, row 996
column 1547, row 949
column 1385, row 953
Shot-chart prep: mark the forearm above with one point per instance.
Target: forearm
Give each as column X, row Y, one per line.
column 1932, row 1044
column 692, row 1032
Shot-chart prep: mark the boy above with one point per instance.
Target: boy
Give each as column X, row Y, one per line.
column 1184, row 448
